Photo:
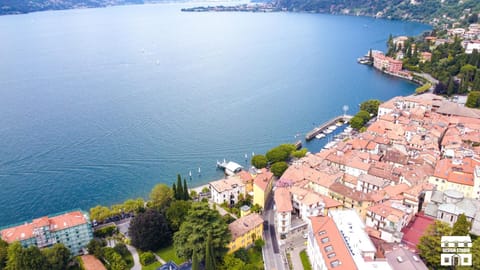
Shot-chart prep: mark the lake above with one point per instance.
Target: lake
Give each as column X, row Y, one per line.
column 99, row 105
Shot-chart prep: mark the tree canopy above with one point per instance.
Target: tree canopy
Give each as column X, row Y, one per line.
column 160, row 196
column 370, row 106
column 279, row 168
column 176, row 213
column 259, row 161
column 194, row 230
column 150, row 230
column 461, row 226
column 430, row 243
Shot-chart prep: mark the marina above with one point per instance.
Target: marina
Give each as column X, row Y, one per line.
column 326, row 127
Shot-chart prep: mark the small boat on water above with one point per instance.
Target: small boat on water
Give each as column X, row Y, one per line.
column 327, row 131
column 320, row 136
column 332, row 127
column 339, row 124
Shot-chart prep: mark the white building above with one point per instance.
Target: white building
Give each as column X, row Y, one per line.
column 388, row 219
column 283, row 210
column 227, row 190
column 339, row 241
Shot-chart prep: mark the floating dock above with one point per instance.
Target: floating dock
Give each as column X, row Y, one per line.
column 310, row 135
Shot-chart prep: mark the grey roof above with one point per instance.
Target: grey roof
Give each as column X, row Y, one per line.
column 451, row 108
column 466, row 206
column 437, row 196
column 449, row 208
column 431, row 210
column 404, row 259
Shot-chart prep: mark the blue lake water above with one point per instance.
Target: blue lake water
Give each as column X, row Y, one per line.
column 99, row 105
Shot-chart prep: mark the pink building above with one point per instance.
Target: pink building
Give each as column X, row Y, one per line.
column 385, row 63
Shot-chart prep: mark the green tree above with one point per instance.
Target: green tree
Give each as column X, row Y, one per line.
column 356, row 122
column 300, row 153
column 278, row 168
column 13, row 253
column 371, row 106
column 150, row 230
column 95, row 247
column 57, row 256
column 476, row 250
column 230, row 262
column 30, row 258
column 277, row 154
column 364, row 115
column 3, row 254
column 135, row 206
column 113, row 259
column 195, row 262
column 160, row 196
column 121, row 249
column 176, row 213
column 473, row 100
column 178, row 194
column 147, row 258
column 209, row 255
column 430, row 243
column 100, row 213
column 186, row 196
column 259, row 161
column 461, row 226
column 193, row 232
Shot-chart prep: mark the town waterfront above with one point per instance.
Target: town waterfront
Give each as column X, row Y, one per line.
column 99, row 105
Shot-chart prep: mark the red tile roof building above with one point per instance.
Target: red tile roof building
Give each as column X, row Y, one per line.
column 73, row 229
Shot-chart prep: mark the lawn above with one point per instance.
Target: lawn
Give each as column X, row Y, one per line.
column 152, row 266
column 168, row 254
column 305, row 261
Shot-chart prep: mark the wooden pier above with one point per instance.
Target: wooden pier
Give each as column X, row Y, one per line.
column 310, row 135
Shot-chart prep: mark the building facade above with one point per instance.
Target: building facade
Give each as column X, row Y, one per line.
column 245, row 231
column 73, row 229
column 227, row 190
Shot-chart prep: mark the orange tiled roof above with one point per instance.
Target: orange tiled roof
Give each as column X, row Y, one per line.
column 283, row 200
column 324, row 228
column 244, row 224
column 55, row 223
column 262, row 180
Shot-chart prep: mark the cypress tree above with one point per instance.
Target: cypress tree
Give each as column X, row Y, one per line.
column 186, row 197
column 195, row 263
column 462, row 226
column 179, row 193
column 174, row 188
column 209, row 256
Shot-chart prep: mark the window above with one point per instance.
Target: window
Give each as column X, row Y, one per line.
column 331, row 255
column 328, row 248
column 335, row 263
column 322, row 232
column 325, row 240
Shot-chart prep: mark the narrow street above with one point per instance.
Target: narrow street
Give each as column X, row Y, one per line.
column 272, row 257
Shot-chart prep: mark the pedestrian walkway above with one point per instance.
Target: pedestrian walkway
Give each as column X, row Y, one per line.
column 159, row 258
column 296, row 260
column 136, row 259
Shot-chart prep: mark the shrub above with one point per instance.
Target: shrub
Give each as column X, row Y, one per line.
column 105, row 231
column 147, row 258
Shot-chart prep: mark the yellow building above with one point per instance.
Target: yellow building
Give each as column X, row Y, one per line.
column 245, row 231
column 262, row 186
column 351, row 198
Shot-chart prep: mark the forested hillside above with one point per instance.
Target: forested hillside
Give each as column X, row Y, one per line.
column 418, row 10
column 26, row 6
